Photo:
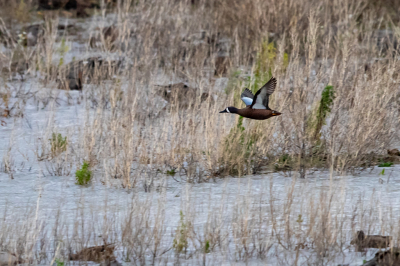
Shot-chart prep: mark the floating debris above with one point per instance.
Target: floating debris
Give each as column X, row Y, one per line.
column 363, row 241
column 103, row 253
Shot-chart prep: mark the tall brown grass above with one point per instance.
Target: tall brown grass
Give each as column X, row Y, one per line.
column 307, row 45
column 132, row 137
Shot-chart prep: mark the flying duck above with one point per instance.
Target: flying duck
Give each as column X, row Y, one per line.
column 256, row 105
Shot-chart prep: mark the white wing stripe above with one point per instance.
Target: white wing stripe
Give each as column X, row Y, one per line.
column 259, row 100
column 259, row 106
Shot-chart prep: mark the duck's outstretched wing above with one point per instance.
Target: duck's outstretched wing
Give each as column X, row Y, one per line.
column 247, row 97
column 262, row 95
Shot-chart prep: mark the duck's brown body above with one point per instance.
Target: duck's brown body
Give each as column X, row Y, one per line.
column 257, row 114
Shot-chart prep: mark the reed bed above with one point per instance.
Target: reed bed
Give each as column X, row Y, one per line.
column 348, row 51
column 336, row 63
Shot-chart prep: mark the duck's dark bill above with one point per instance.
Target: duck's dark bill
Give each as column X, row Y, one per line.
column 224, row 111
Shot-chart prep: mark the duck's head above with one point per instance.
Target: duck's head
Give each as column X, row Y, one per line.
column 275, row 113
column 231, row 109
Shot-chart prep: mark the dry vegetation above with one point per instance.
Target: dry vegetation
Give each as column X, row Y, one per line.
column 337, row 68
column 307, row 46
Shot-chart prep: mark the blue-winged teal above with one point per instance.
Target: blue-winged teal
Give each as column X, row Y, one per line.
column 256, row 105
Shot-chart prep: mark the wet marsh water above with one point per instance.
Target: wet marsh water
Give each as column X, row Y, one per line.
column 222, row 202
column 266, row 219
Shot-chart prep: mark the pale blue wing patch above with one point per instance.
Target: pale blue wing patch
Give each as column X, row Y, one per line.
column 247, row 100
